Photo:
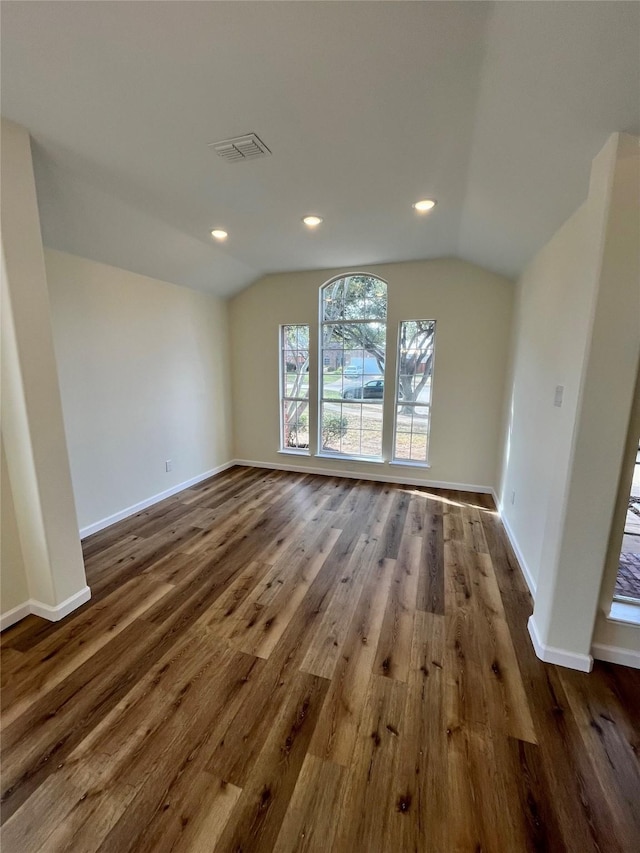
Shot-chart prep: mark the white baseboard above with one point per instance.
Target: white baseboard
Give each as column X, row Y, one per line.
column 357, row 475
column 54, row 614
column 46, row 611
column 154, row 499
column 559, row 657
column 14, row 615
column 526, row 571
column 616, row 654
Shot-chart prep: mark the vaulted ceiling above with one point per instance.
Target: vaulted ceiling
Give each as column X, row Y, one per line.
column 495, row 110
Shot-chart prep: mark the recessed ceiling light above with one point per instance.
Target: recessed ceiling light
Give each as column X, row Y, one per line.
column 312, row 221
column 219, row 234
column 424, row 205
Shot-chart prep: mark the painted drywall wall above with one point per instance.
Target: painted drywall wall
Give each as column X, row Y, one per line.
column 14, row 589
column 472, row 308
column 577, row 325
column 143, row 368
column 605, row 412
column 32, row 424
column 554, row 304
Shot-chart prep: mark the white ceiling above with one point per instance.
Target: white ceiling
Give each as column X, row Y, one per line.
column 494, row 110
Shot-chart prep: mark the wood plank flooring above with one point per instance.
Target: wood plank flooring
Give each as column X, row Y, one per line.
column 286, row 662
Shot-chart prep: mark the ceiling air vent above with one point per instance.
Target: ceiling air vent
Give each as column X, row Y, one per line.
column 247, row 147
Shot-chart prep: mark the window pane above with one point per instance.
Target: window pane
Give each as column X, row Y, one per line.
column 354, row 297
column 333, row 300
column 352, row 429
column 371, row 443
column 412, row 433
column 353, row 354
column 351, row 440
column 295, row 419
column 363, row 336
column 415, row 372
column 353, row 350
column 294, row 384
column 334, row 427
column 376, row 295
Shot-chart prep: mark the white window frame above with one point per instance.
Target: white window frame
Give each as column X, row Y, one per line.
column 398, row 402
column 283, row 398
column 322, row 323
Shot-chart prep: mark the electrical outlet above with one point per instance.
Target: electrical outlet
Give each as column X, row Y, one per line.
column 513, row 496
column 168, row 465
column 557, row 397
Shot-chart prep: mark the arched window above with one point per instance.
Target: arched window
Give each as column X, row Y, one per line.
column 355, row 378
column 353, row 342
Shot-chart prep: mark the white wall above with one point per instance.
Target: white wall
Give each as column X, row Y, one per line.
column 32, row 424
column 472, row 308
column 14, row 588
column 605, row 415
column 577, row 325
column 554, row 304
column 143, row 368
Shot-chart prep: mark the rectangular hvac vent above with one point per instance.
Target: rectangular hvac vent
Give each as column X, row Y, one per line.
column 246, row 147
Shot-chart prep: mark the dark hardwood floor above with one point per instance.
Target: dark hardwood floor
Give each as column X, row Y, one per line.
column 276, row 661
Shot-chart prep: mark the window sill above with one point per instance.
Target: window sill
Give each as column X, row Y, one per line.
column 624, row 613
column 294, row 452
column 409, row 464
column 342, row 458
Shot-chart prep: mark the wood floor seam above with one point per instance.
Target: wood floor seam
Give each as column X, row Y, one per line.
column 277, row 661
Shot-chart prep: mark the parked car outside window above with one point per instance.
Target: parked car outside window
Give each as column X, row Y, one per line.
column 372, row 390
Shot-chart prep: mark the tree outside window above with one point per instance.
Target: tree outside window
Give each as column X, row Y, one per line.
column 353, row 313
column 294, row 388
column 354, row 381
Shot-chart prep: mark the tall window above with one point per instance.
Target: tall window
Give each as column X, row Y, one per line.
column 354, row 381
column 353, row 315
column 413, row 391
column 294, row 388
